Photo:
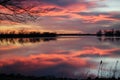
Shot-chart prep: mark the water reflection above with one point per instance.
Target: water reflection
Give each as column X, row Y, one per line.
column 68, row 57
column 111, row 39
column 24, row 40
column 37, row 40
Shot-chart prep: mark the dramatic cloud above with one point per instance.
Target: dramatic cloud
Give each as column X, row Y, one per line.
column 59, row 15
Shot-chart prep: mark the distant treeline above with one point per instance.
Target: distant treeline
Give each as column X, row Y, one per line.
column 111, row 32
column 22, row 34
column 25, row 34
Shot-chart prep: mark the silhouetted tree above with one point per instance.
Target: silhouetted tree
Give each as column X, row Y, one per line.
column 111, row 32
column 24, row 34
column 99, row 33
column 117, row 32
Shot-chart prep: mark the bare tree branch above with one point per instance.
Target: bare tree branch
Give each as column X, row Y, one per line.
column 19, row 12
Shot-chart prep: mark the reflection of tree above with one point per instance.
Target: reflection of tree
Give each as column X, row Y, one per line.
column 111, row 39
column 24, row 40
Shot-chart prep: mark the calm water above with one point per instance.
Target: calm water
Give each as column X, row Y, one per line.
column 61, row 57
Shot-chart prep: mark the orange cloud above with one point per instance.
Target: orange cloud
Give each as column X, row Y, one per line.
column 56, row 10
column 93, row 18
column 7, row 22
column 5, row 10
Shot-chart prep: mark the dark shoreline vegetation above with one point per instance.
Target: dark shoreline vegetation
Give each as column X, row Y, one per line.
column 108, row 33
column 22, row 34
column 47, row 39
column 22, row 77
column 38, row 34
column 32, row 34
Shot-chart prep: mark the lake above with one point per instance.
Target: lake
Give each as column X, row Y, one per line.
column 72, row 57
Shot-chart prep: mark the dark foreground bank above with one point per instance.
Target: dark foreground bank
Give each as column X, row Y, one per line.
column 22, row 77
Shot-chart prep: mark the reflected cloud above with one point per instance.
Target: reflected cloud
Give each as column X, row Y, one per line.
column 42, row 62
column 45, row 64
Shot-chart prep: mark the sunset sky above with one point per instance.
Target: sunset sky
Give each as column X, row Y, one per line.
column 63, row 16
